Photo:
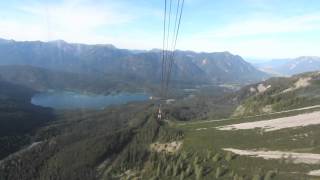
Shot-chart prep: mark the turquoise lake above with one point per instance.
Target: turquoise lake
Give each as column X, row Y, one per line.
column 72, row 100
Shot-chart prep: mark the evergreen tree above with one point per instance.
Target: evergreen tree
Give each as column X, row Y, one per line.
column 218, row 172
column 175, row 170
column 256, row 177
column 216, row 158
column 229, row 156
column 269, row 175
column 198, row 172
column 159, row 170
column 182, row 176
column 168, row 170
column 189, row 170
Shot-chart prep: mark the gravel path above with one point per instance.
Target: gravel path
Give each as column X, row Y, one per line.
column 301, row 120
column 314, row 173
column 307, row 158
column 259, row 115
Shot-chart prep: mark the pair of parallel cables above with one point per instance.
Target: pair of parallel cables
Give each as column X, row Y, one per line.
column 171, row 26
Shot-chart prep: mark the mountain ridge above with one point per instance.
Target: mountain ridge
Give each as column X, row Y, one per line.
column 222, row 67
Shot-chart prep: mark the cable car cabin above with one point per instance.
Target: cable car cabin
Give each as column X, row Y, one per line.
column 159, row 114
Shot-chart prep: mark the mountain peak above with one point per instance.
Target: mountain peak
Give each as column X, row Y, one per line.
column 110, row 46
column 58, row 41
column 5, row 40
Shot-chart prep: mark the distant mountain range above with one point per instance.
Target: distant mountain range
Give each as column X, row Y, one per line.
column 128, row 65
column 291, row 66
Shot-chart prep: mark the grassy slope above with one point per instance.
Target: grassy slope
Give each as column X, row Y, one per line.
column 210, row 139
column 215, row 140
column 276, row 96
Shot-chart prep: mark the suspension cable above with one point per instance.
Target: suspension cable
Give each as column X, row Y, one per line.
column 170, row 37
column 163, row 47
column 175, row 43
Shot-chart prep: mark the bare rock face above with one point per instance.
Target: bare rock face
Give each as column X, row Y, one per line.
column 171, row 147
column 301, row 83
column 262, row 88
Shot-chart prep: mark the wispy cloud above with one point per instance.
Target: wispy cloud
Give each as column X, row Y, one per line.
column 71, row 20
column 76, row 17
column 84, row 15
column 267, row 26
column 22, row 31
column 261, row 37
column 259, row 48
column 255, row 28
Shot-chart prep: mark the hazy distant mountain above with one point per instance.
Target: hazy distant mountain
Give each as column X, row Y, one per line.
column 197, row 68
column 291, row 66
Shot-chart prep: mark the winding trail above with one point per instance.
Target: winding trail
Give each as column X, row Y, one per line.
column 259, row 115
column 300, row 120
column 314, row 173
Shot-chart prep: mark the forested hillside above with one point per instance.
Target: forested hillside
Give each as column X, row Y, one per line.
column 18, row 117
column 279, row 94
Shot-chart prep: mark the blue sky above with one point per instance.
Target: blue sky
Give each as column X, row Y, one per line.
column 255, row 29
